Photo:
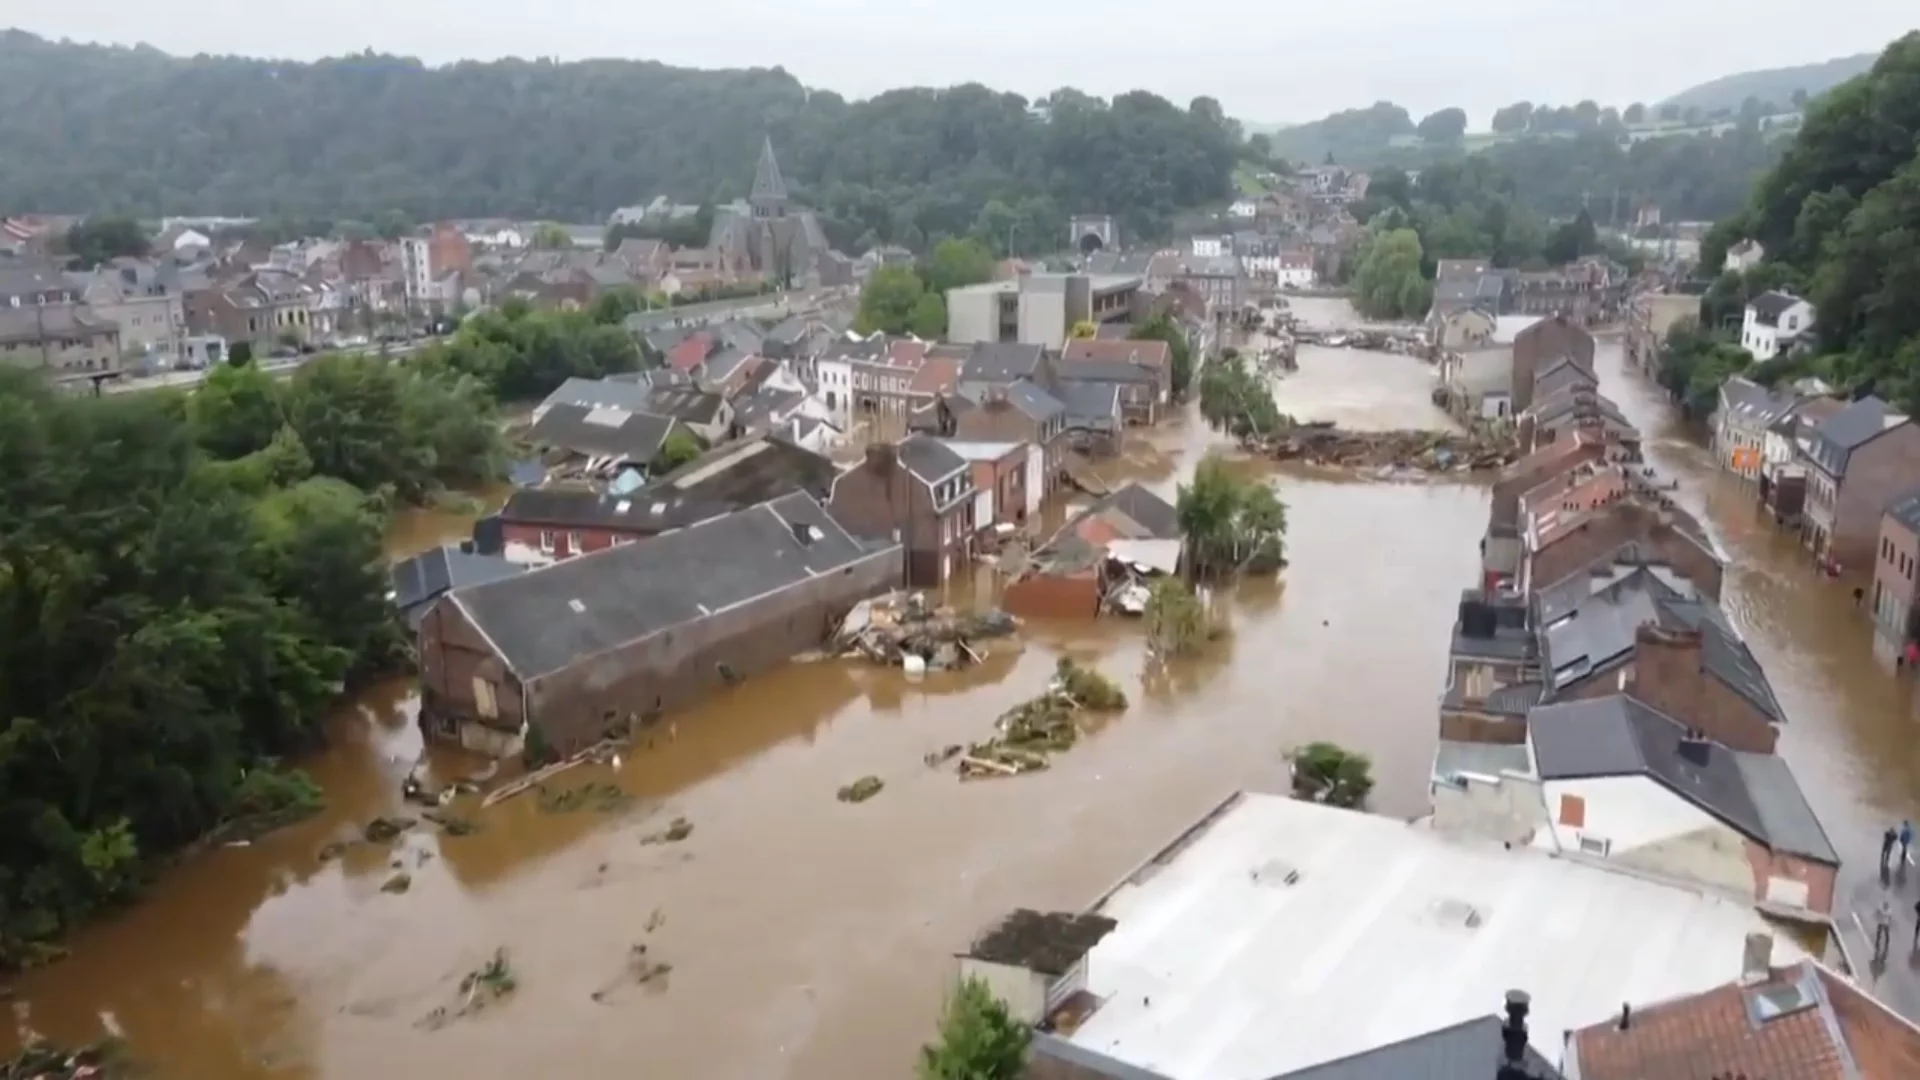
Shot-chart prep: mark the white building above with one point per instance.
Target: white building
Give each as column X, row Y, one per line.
column 1773, row 322
column 1211, row 247
column 1743, row 256
column 1244, row 208
column 1281, row 934
column 416, row 270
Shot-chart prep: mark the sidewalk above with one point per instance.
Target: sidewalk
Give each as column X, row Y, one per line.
column 1896, row 982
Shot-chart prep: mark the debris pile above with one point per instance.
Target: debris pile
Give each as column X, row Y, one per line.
column 677, row 830
column 483, row 986
column 861, row 790
column 1031, row 731
column 1419, row 451
column 605, row 798
column 897, row 626
column 1405, row 342
column 40, row 1060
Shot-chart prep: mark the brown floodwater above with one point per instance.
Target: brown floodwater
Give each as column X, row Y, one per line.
column 811, row 938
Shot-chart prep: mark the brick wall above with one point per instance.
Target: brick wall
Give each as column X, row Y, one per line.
column 1819, row 877
column 1667, row 674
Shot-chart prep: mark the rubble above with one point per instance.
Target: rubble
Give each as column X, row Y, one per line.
column 677, row 830
column 1044, row 725
column 894, row 627
column 1419, row 451
column 382, row 829
column 39, row 1060
column 603, row 798
column 1410, row 342
column 861, row 790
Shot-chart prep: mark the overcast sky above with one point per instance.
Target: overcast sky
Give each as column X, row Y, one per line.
column 1263, row 65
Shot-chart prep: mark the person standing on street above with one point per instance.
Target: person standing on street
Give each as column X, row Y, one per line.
column 1887, row 840
column 1906, row 839
column 1882, row 929
column 1916, row 926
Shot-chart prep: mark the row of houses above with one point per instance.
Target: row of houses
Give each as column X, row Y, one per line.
column 1589, row 290
column 1592, row 896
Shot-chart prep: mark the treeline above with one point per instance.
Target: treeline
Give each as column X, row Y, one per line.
column 186, row 583
column 92, row 129
column 518, row 353
column 1839, row 221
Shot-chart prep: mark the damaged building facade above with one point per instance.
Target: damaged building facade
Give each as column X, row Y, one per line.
column 570, row 653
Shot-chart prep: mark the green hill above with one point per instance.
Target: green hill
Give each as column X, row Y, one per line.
column 1776, row 85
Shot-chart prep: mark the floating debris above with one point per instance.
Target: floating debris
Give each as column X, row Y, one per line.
column 40, row 1060
column 479, row 988
column 1420, row 451
column 641, row 970
column 677, row 830
column 936, row 758
column 452, row 824
column 1045, row 725
column 601, row 797
column 892, row 628
column 398, row 883
column 861, row 790
column 382, row 829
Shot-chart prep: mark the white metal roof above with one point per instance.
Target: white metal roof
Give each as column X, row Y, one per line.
column 1221, row 971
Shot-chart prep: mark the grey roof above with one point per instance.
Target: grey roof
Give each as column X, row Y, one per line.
column 1033, row 400
column 1848, row 430
column 1906, row 510
column 585, row 508
column 1749, row 404
column 1001, row 362
column 1602, row 628
column 632, row 436
column 417, row 581
column 1469, row 1050
column 1726, row 657
column 1093, row 406
column 48, row 321
column 749, row 471
column 1159, row 517
column 929, row 459
column 687, row 404
column 1618, row 736
column 24, row 278
column 1105, row 371
column 1769, row 306
column 1507, row 643
column 600, row 394
column 546, row 620
column 1563, row 375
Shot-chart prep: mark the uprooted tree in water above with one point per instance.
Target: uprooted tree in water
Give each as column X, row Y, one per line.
column 979, row 1039
column 1233, row 524
column 1178, row 621
column 1237, row 399
column 1325, row 772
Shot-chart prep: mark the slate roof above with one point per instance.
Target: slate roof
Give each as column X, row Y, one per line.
column 1602, row 628
column 419, row 580
column 1103, row 370
column 1618, row 736
column 600, row 394
column 1470, row 1050
column 929, row 459
column 746, row 472
column 584, row 508
column 1803, row 1023
column 1749, row 404
column 630, row 436
column 687, row 404
column 1093, row 406
column 1769, row 306
column 1854, row 426
column 549, row 619
column 1001, row 362
column 1906, row 510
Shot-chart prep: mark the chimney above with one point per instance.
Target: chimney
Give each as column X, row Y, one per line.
column 1626, row 1016
column 1513, row 1038
column 1695, row 748
column 802, row 532
column 1756, row 959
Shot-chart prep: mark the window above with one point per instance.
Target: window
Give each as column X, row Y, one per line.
column 573, row 543
column 1595, row 845
column 485, row 701
column 1573, row 811
column 546, row 541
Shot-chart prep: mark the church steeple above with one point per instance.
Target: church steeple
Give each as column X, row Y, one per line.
column 769, row 195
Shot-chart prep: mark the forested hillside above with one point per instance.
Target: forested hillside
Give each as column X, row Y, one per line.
column 1839, row 219
column 1782, row 85
column 91, row 129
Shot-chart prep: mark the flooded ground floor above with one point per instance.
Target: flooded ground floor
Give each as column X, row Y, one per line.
column 811, row 938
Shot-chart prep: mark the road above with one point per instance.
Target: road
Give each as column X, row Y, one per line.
column 276, row 366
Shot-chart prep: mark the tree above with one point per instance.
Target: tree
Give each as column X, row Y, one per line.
column 1236, row 399
column 1573, row 239
column 1084, row 330
column 1446, row 125
column 236, row 411
column 1178, row 623
column 1325, row 772
column 679, row 448
column 1513, row 119
column 1232, row 524
column 1387, row 283
column 1669, row 112
column 890, row 301
column 928, row 320
column 101, row 239
column 100, row 127
column 979, row 1039
column 1799, row 97
column 956, row 262
column 1260, row 147
column 240, row 353
column 1162, row 328
column 517, row 354
column 1635, row 115
column 550, row 237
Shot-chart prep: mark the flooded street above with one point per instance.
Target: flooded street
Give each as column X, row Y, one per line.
column 809, row 938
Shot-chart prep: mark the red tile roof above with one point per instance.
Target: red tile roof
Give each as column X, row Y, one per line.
column 691, row 353
column 937, row 375
column 1820, row 1022
column 906, row 353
